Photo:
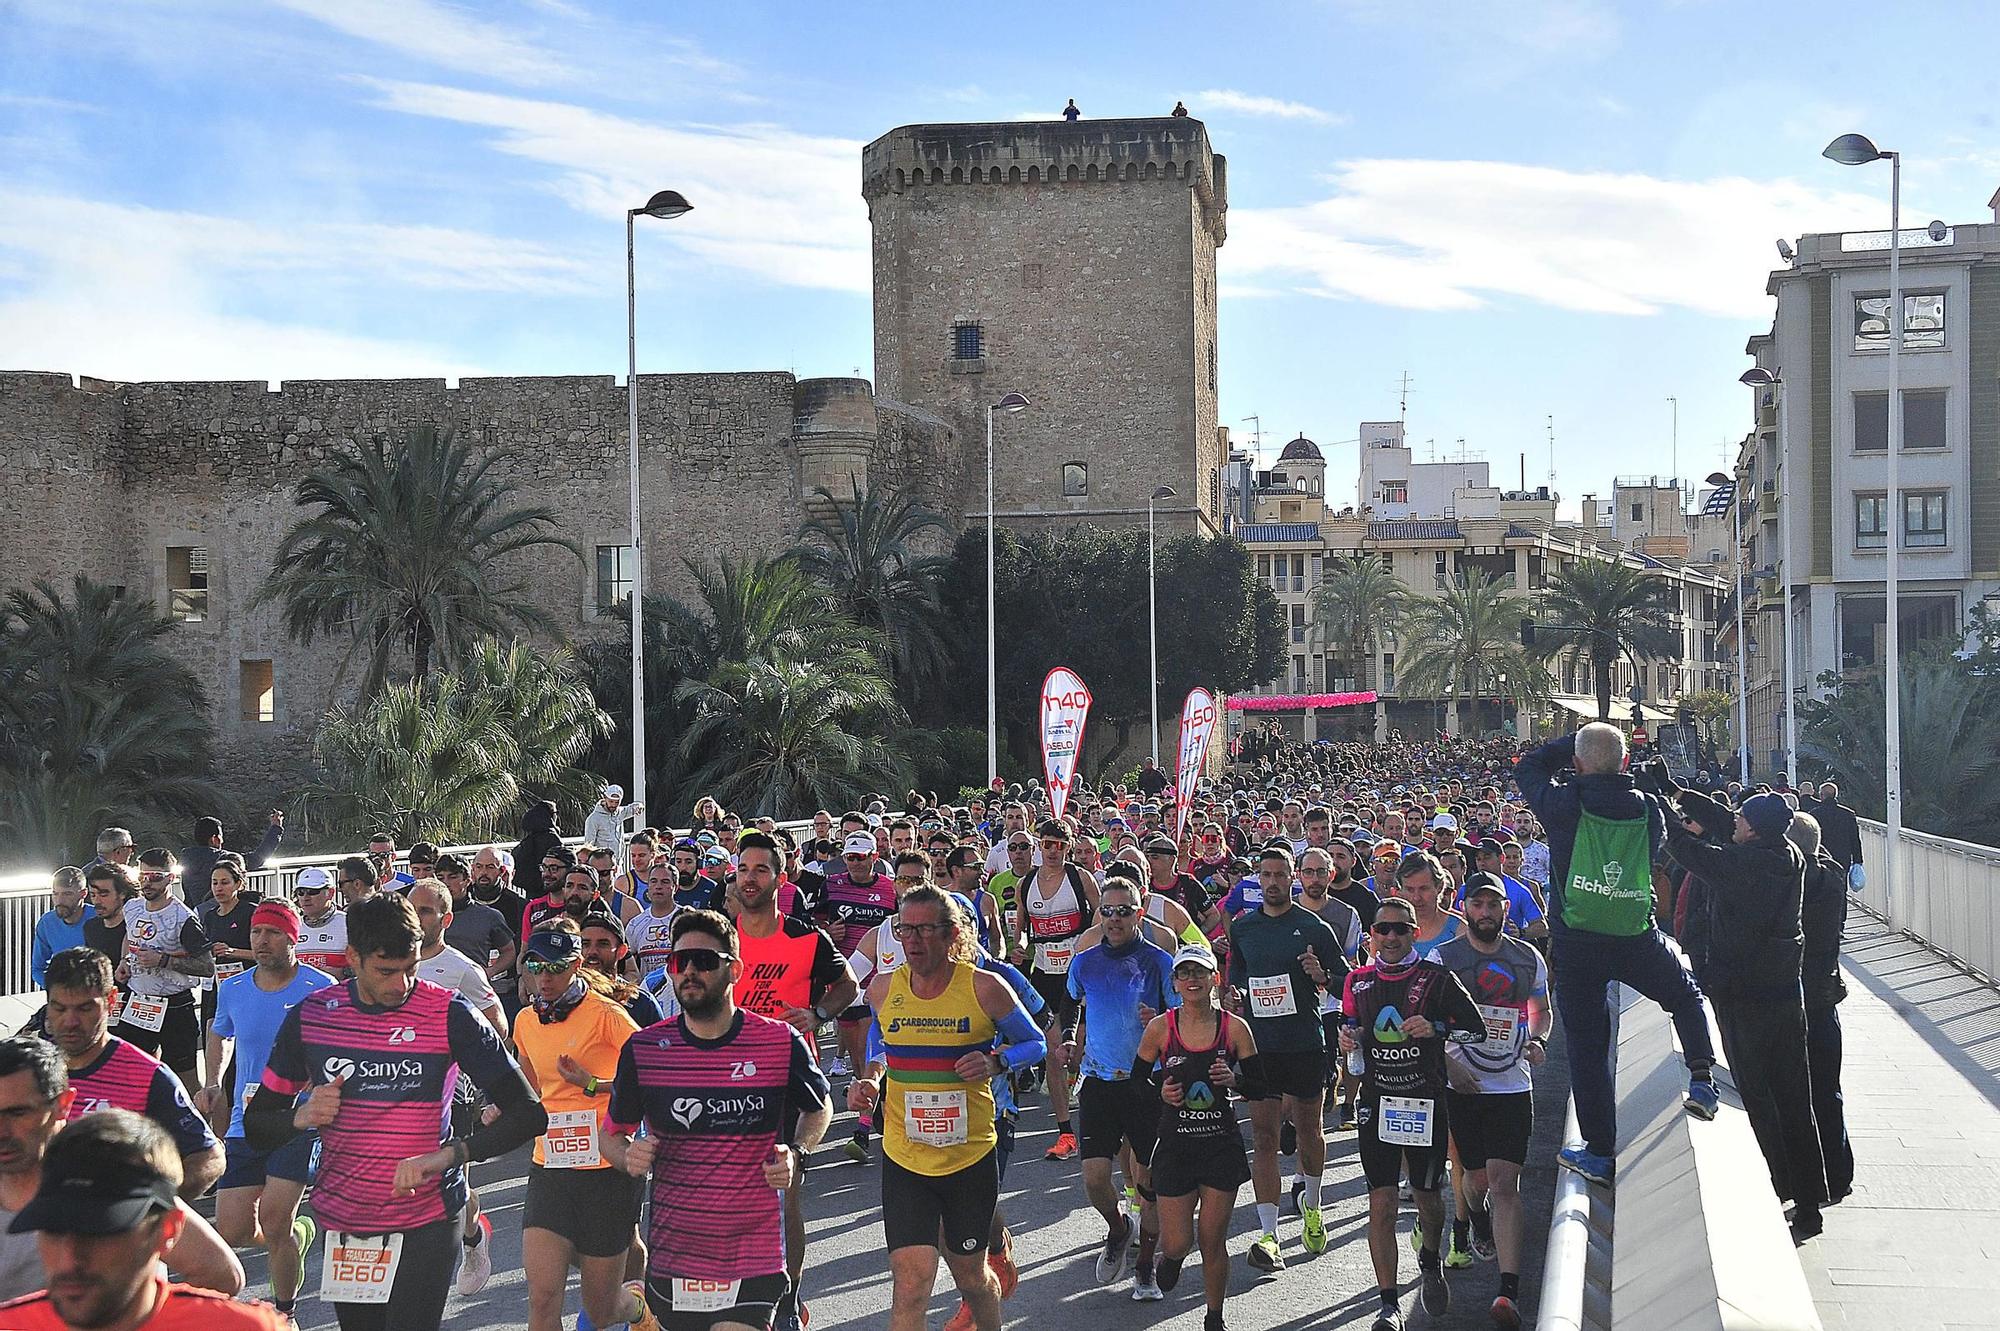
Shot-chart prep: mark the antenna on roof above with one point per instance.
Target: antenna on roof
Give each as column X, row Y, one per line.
column 1552, row 450
column 1403, row 403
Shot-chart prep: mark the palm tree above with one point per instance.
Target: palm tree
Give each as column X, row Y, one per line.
column 1605, row 609
column 547, row 708
column 1355, row 602
column 99, row 723
column 1465, row 640
column 785, row 735
column 862, row 548
column 404, row 549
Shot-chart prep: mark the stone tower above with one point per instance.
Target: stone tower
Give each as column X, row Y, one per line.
column 1073, row 263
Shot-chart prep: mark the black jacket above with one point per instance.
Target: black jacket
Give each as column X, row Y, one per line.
column 1755, row 941
column 1839, row 833
column 1559, row 802
column 1825, row 919
column 198, row 864
column 538, row 838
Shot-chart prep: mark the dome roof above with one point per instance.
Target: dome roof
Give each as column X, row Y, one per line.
column 1301, row 449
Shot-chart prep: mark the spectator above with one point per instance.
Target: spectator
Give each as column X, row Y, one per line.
column 114, row 846
column 1604, row 835
column 538, row 837
column 198, row 860
column 1751, row 972
column 1824, row 916
column 1839, row 832
column 605, row 827
column 1151, row 779
column 61, row 926
column 1070, row 112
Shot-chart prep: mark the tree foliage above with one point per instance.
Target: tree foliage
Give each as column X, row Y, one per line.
column 862, row 548
column 1606, row 609
column 1355, row 602
column 1459, row 644
column 404, row 547
column 99, row 724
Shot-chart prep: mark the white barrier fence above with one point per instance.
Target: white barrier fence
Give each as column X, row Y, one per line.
column 24, row 898
column 1945, row 893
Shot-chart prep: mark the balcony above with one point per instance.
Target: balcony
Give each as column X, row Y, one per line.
column 1767, row 500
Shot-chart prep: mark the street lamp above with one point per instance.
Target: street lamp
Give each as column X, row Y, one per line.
column 1152, row 613
column 1757, row 378
column 1011, row 403
column 666, row 204
column 1858, row 150
column 1742, row 668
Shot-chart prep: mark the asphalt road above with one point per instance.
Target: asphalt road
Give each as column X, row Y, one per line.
column 1055, row 1237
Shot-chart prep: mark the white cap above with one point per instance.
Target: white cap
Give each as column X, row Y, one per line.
column 858, row 843
column 613, row 792
column 313, row 879
column 1195, row 953
column 1445, row 822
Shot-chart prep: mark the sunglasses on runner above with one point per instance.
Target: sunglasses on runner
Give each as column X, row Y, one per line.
column 541, row 966
column 1116, row 912
column 1391, row 927
column 685, row 959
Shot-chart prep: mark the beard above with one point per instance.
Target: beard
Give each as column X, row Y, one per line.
column 707, row 1006
column 1484, row 930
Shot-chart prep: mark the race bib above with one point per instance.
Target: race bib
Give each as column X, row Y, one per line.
column 691, row 1295
column 1503, row 1025
column 571, row 1141
column 358, row 1270
column 1404, row 1122
column 148, row 1014
column 1271, row 996
column 115, row 1001
column 330, row 962
column 934, row 1118
column 1053, row 958
column 223, row 970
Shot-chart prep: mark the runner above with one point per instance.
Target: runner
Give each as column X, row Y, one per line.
column 1280, row 957
column 257, row 1201
column 104, row 1219
column 940, row 1017
column 478, row 930
column 1422, row 881
column 1057, row 902
column 604, row 952
column 1491, row 1099
column 377, row 1055
column 1315, row 895
column 322, row 924
column 1197, row 1052
column 856, row 900
column 225, row 922
column 166, row 954
column 1121, row 983
column 731, row 1102
column 963, row 866
column 1399, row 1011
column 790, row 973
column 107, row 1072
column 578, row 1210
column 649, row 934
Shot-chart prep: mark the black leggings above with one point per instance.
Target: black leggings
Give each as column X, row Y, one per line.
column 423, row 1281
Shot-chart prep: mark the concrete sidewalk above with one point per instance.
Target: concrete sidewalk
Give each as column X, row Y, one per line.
column 1918, row 1242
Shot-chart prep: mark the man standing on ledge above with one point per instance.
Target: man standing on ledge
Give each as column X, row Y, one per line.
column 1604, row 837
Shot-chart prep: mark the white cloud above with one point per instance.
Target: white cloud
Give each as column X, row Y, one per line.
column 1450, row 235
column 438, row 33
column 768, row 201
column 1250, row 104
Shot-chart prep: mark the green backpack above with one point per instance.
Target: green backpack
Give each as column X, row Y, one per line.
column 1610, row 885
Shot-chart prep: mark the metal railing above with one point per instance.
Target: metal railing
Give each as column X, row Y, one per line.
column 1945, row 894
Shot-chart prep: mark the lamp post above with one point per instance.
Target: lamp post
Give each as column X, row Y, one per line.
column 1758, row 378
column 1742, row 668
column 1011, row 403
column 1153, row 615
column 666, row 205
column 1857, row 150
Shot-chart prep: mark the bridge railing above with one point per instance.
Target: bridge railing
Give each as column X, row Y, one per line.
column 1946, row 893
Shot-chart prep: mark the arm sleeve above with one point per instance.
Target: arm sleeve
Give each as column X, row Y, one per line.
column 167, row 1104
column 1535, row 773
column 627, row 1110
column 479, row 1052
column 193, row 941
column 38, row 960
column 1349, row 1011
column 1022, row 1038
column 1468, row 1024
column 872, row 1047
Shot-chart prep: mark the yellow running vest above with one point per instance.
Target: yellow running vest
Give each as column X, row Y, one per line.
column 933, row 1122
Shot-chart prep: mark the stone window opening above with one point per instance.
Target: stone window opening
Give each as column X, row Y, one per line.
column 968, row 341
column 614, row 578
column 1076, row 480
column 187, row 583
column 258, row 689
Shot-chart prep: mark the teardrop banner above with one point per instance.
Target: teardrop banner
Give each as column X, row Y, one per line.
column 1065, row 707
column 1197, row 725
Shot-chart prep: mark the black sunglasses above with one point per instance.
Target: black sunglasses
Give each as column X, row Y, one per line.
column 685, row 959
column 1391, row 927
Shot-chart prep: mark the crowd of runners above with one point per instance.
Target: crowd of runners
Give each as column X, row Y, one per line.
column 1331, row 938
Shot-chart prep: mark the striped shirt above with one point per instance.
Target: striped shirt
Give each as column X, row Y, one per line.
column 401, row 1065
column 127, row 1077
column 716, row 1107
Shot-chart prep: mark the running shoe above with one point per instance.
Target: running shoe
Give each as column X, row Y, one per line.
column 1702, row 1100
column 1111, row 1260
column 1436, row 1293
column 304, row 1232
column 1483, row 1246
column 1003, row 1266
column 1064, row 1148
column 1505, row 1314
column 1389, row 1319
column 1146, row 1288
column 838, row 1067
column 477, row 1267
column 1577, row 1159
column 1212, row 1321
column 962, row 1319
column 1167, row 1273
column 1347, row 1116
column 1314, row 1237
column 1264, row 1254
column 1132, row 1207
column 1807, row 1222
column 647, row 1320
column 1456, row 1257
column 856, row 1149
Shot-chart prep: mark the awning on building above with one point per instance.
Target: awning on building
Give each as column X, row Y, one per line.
column 1621, row 710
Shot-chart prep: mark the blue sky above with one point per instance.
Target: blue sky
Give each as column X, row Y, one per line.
column 1536, row 209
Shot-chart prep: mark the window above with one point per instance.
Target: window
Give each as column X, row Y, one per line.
column 1923, row 518
column 187, row 583
column 968, row 341
column 1440, row 567
column 1389, row 673
column 1263, row 566
column 257, row 690
column 1871, row 521
column 1076, row 480
column 1388, row 562
column 1211, row 367
column 1923, row 321
column 1298, row 623
column 614, row 577
column 1923, row 421
column 1396, row 494
column 1638, row 512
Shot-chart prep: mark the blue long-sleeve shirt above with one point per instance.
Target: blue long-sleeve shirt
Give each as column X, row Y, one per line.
column 51, row 937
column 1559, row 799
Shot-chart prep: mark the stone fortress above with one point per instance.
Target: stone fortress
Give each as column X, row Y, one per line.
column 1070, row 262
